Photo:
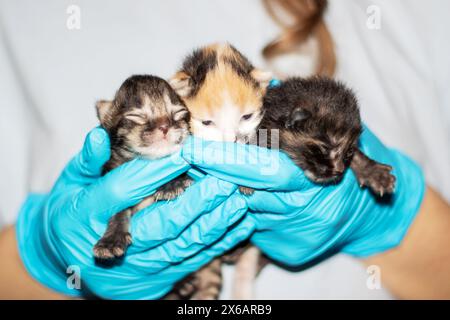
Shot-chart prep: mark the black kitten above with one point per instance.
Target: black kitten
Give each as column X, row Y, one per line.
column 146, row 119
column 319, row 126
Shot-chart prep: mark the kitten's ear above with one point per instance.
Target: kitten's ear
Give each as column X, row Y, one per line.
column 262, row 77
column 181, row 83
column 104, row 113
column 298, row 116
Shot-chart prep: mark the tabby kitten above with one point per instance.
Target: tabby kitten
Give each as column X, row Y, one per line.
column 146, row 119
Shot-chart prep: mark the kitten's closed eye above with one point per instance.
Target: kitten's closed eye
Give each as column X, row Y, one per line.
column 136, row 118
column 181, row 114
column 297, row 118
column 247, row 116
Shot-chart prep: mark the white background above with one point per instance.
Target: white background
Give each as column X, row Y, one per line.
column 50, row 78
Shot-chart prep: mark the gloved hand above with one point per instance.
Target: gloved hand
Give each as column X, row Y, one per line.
column 244, row 165
column 315, row 221
column 56, row 232
column 310, row 220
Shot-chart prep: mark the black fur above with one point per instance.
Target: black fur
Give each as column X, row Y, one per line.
column 319, row 125
column 242, row 66
column 197, row 65
column 203, row 60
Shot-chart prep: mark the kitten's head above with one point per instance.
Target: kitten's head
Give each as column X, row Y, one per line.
column 146, row 118
column 321, row 124
column 223, row 92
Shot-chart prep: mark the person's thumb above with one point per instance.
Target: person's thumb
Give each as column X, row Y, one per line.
column 96, row 151
column 88, row 163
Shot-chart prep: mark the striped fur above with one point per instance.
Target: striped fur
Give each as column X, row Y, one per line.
column 148, row 119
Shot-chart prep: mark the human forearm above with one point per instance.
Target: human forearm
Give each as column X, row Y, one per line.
column 419, row 268
column 15, row 282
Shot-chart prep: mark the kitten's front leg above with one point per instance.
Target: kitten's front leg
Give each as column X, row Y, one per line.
column 208, row 281
column 372, row 174
column 203, row 284
column 116, row 238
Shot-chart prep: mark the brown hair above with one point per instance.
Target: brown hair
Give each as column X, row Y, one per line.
column 307, row 22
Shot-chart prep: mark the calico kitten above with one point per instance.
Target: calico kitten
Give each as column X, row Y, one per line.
column 319, row 126
column 145, row 119
column 224, row 94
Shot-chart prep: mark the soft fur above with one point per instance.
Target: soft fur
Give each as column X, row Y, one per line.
column 223, row 91
column 319, row 125
column 145, row 119
column 224, row 94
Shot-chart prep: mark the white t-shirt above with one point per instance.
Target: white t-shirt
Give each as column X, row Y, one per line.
column 51, row 75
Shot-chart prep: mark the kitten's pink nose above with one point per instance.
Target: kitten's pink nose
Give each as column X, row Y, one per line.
column 164, row 128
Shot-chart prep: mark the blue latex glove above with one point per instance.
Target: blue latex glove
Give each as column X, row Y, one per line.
column 312, row 220
column 59, row 230
column 244, row 165
column 316, row 221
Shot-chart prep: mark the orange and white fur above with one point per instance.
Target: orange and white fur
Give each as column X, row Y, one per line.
column 224, row 94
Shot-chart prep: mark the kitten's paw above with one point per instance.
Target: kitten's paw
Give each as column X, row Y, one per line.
column 197, row 286
column 205, row 296
column 112, row 246
column 184, row 289
column 246, row 190
column 210, row 291
column 188, row 287
column 173, row 189
column 379, row 179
